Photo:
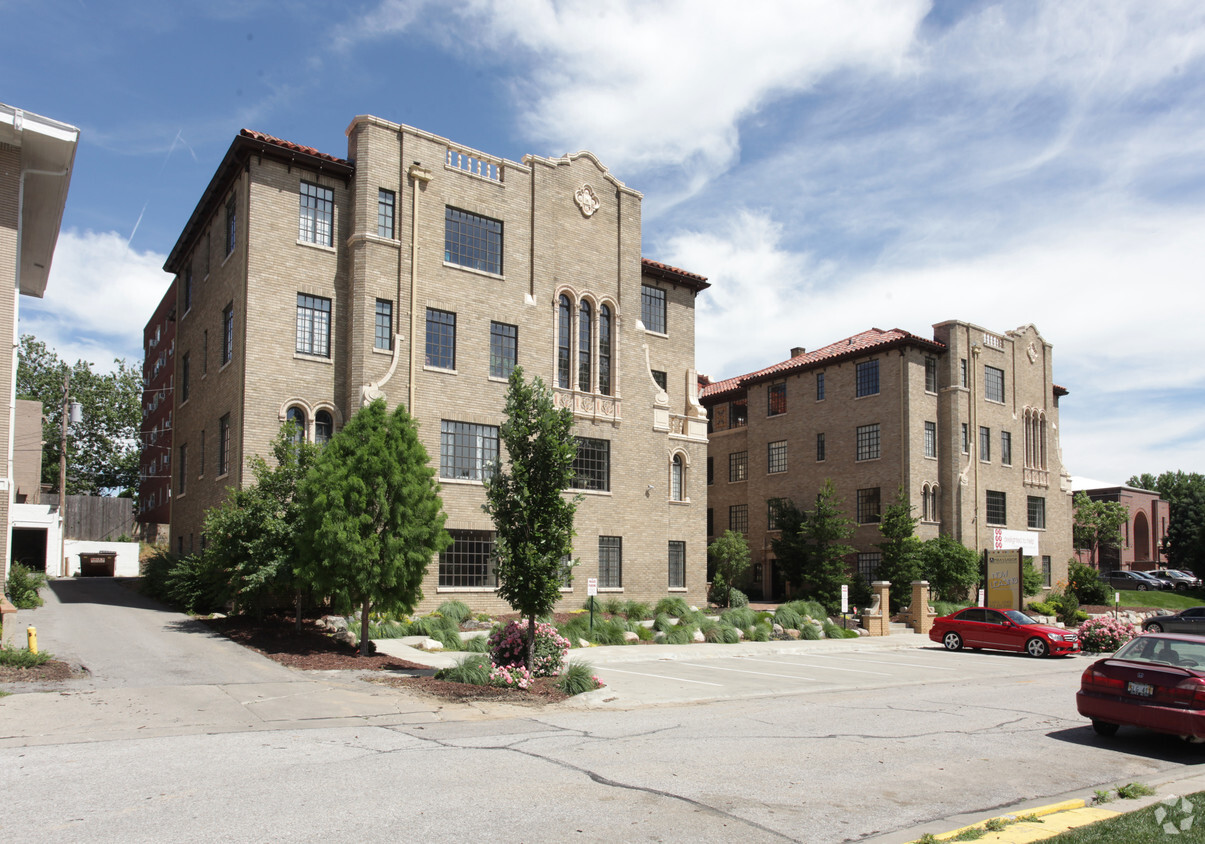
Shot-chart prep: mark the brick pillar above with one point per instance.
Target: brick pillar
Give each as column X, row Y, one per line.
column 877, row 619
column 922, row 614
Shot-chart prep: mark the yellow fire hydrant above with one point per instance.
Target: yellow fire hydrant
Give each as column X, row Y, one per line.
column 32, row 634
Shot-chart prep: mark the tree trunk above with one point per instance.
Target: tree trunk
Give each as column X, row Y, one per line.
column 363, row 625
column 531, row 640
column 297, row 604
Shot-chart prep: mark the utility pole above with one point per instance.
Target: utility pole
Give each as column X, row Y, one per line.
column 71, row 412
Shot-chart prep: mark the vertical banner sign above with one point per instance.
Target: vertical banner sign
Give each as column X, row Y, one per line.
column 1004, row 585
column 844, row 598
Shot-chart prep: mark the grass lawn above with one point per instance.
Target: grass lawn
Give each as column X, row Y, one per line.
column 1140, row 827
column 1171, row 601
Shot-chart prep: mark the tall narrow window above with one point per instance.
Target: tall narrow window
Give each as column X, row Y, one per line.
column 188, row 289
column 315, row 222
column 677, row 564
column 313, row 325
column 985, row 444
column 676, row 479
column 184, row 378
column 738, row 466
column 504, row 349
column 930, row 374
column 610, row 562
column 1006, row 448
column 472, row 241
column 776, row 399
column 441, row 339
column 324, row 427
column 776, row 457
column 930, row 439
column 820, row 448
column 738, row 518
column 564, row 337
column 227, row 333
column 604, row 350
column 1036, row 512
column 585, row 319
column 231, row 224
column 652, row 308
column 182, row 470
column 297, row 416
column 382, row 337
column 710, row 471
column 224, row 445
column 385, row 200
column 962, row 371
column 204, row 352
column 819, row 386
column 966, row 439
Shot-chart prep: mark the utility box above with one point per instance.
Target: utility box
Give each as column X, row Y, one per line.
column 98, row 564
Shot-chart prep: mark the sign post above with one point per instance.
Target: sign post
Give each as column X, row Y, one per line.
column 1004, row 582
column 591, row 590
column 844, row 603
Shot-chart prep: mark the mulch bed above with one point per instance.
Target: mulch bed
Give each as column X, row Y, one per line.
column 49, row 672
column 276, row 637
column 543, row 690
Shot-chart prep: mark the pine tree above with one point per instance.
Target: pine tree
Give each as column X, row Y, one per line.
column 373, row 518
column 900, row 549
column 533, row 519
column 811, row 546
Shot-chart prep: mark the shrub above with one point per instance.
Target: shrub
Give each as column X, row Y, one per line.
column 22, row 587
column 676, row 607
column 711, row 630
column 1042, row 608
column 835, row 631
column 457, row 611
column 663, row 622
column 730, row 634
column 155, row 569
column 508, row 648
column 737, row 598
column 1066, row 607
column 948, row 607
column 645, row 634
column 23, row 657
column 741, row 617
column 1084, row 582
column 1105, row 634
column 434, row 625
column 635, row 611
column 809, row 631
column 788, row 618
column 388, row 628
column 196, row 585
column 680, row 634
column 807, row 608
column 613, row 606
column 510, row 677
column 761, row 632
column 473, row 669
column 475, row 644
column 608, row 632
column 577, row 678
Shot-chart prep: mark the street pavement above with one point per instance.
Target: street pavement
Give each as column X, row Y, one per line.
column 163, row 693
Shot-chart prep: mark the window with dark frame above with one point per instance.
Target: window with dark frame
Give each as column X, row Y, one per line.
column 867, row 378
column 819, row 386
column 313, row 326
column 504, row 349
column 469, row 561
column 297, row 416
column 604, row 350
column 869, row 505
column 441, row 339
column 324, row 427
column 1036, row 511
column 962, row 371
column 930, row 374
column 472, row 241
column 610, row 562
column 710, row 521
column 820, row 448
column 738, row 413
column 868, row 565
column 315, row 222
column 382, row 335
column 385, row 204
column 776, row 457
column 661, row 379
column 710, row 471
column 738, row 518
column 184, row 377
column 776, row 399
column 592, row 465
column 182, row 470
column 930, row 439
column 677, row 564
column 773, row 509
column 868, row 442
column 738, row 466
column 231, row 224
column 467, row 451
column 564, row 337
column 966, row 438
column 677, row 479
column 188, row 289
column 993, row 384
column 224, row 445
column 585, row 323
column 1006, row 448
column 985, row 444
column 227, row 333
column 1047, row 575
column 997, row 510
column 652, row 308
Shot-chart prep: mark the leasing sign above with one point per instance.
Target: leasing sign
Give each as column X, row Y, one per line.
column 1004, row 586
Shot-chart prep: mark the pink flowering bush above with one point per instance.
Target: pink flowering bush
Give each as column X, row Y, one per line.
column 508, row 648
column 511, row 677
column 1105, row 634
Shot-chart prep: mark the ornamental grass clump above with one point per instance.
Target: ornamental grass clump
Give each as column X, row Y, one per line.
column 578, row 678
column 1105, row 634
column 508, row 648
column 23, row 657
column 675, row 607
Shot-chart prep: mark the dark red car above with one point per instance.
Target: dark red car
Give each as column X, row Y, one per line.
column 1002, row 630
column 1156, row 681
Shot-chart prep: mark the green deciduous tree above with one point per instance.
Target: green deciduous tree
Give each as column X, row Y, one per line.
column 900, row 549
column 811, row 546
column 252, row 535
column 950, row 567
column 533, row 518
column 103, row 448
column 1185, row 494
column 372, row 516
column 1098, row 525
column 730, row 554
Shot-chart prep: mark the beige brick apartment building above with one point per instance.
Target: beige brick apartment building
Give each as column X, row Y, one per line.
column 966, row 423
column 422, row 271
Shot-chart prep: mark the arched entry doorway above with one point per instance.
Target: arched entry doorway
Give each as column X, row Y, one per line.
column 1142, row 538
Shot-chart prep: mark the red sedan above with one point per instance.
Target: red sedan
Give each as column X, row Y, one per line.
column 1156, row 681
column 1002, row 630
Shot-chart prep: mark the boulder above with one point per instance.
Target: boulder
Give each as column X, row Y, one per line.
column 582, row 643
column 699, row 637
column 629, row 637
column 792, row 633
column 777, row 629
column 346, row 637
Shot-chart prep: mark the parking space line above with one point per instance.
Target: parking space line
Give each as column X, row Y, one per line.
column 813, row 665
column 759, row 673
column 604, row 668
column 880, row 662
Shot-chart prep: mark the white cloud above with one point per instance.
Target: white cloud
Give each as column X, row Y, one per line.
column 98, row 299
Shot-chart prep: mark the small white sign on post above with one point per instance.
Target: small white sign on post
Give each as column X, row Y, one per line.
column 981, row 598
column 591, row 586
column 844, row 598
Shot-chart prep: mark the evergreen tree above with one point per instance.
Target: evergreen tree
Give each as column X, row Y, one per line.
column 811, row 546
column 950, row 567
column 533, row 518
column 900, row 549
column 1097, row 525
column 372, row 515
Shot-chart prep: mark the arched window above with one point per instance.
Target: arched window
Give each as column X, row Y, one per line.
column 324, row 427
column 676, row 479
column 924, row 500
column 585, row 318
column 564, row 337
column 297, row 416
column 604, row 350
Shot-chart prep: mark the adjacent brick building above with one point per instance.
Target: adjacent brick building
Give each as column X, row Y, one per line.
column 965, row 423
column 158, row 379
column 1144, row 533
column 421, row 271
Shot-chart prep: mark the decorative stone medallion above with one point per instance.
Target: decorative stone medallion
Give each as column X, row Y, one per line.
column 1032, row 352
column 586, row 200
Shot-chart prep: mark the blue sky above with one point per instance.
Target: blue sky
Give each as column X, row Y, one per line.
column 830, row 166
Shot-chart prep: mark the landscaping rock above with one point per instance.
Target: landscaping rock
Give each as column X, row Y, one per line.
column 740, row 634
column 698, row 636
column 582, row 643
column 629, row 636
column 346, row 637
column 430, row 645
column 777, row 629
column 793, row 633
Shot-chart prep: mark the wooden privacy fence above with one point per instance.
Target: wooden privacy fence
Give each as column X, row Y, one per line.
column 97, row 517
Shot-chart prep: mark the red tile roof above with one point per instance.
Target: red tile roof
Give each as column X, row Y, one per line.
column 867, row 342
column 656, row 269
column 290, row 146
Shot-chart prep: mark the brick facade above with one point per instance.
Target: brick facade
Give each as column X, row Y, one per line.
column 911, row 425
column 156, row 459
column 568, row 229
